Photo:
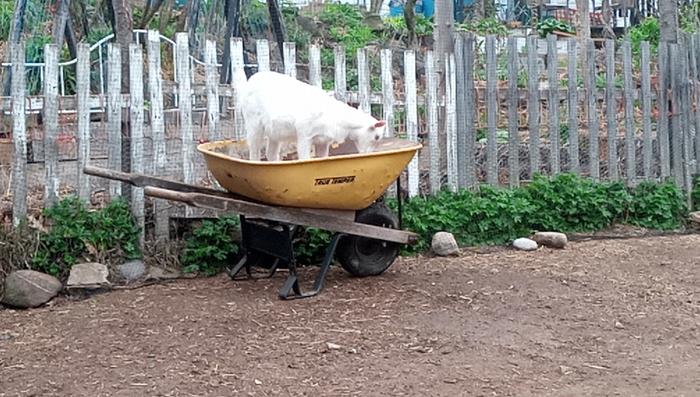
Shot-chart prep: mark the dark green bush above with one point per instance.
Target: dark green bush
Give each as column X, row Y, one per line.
column 657, row 206
column 211, row 248
column 75, row 233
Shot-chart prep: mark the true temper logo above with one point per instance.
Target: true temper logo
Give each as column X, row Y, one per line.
column 335, row 180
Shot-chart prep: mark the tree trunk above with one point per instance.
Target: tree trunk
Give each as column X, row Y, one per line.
column 668, row 20
column 167, row 13
column 277, row 25
column 233, row 29
column 59, row 24
column 123, row 25
column 375, row 6
column 192, row 20
column 15, row 35
column 71, row 40
column 409, row 15
column 442, row 33
column 149, row 13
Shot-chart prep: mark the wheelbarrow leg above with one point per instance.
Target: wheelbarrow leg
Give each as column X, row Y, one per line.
column 292, row 282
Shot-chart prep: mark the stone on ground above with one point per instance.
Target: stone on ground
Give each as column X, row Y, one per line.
column 525, row 244
column 28, row 288
column 444, row 244
column 551, row 239
column 88, row 276
column 132, row 270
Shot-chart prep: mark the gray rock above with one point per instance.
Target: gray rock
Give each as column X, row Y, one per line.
column 132, row 270
column 444, row 244
column 159, row 273
column 551, row 239
column 29, row 288
column 88, row 276
column 525, row 244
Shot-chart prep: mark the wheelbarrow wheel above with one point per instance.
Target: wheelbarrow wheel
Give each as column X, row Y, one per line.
column 362, row 256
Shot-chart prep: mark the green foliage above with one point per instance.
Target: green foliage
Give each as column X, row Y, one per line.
column 395, row 27
column 549, row 25
column 484, row 27
column 657, row 206
column 77, row 233
column 6, row 13
column 566, row 203
column 211, row 247
column 311, row 247
column 575, row 204
column 647, row 30
column 695, row 193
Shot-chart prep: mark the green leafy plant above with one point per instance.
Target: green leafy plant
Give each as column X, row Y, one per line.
column 657, row 206
column 211, row 247
column 550, row 25
column 484, row 27
column 647, row 30
column 311, row 246
column 76, row 233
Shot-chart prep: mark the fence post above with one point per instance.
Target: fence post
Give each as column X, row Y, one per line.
column 136, row 116
column 470, row 111
column 340, row 85
column 290, row 59
column 315, row 66
column 695, row 78
column 593, row 147
column 388, row 91
column 663, row 120
column 513, row 99
column 611, row 108
column 155, row 88
column 574, row 162
column 533, row 105
column 684, row 79
column 460, row 111
column 19, row 135
column 83, row 94
column 553, row 105
column 262, row 52
column 185, row 109
column 676, row 133
column 409, row 57
column 363, row 79
column 630, row 133
column 491, row 112
column 51, row 125
column 114, row 115
column 646, row 110
column 212, row 79
column 431, row 99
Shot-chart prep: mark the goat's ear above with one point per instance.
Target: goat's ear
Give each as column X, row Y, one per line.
column 379, row 124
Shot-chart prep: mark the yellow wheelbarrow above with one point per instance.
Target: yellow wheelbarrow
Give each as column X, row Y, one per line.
column 340, row 193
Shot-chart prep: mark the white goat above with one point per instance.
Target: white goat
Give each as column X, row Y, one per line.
column 286, row 110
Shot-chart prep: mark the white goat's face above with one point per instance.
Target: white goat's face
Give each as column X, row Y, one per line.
column 368, row 137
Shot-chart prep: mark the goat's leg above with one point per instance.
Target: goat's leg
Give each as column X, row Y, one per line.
column 304, row 149
column 322, row 149
column 273, row 150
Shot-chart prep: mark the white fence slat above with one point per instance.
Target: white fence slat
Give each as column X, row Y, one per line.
column 315, row 66
column 460, row 116
column 363, row 79
column 136, row 117
column 513, row 98
column 663, row 119
column 573, row 105
column 491, row 112
column 411, row 119
column 469, row 109
column 262, row 51
column 432, row 119
column 290, row 59
column 51, row 125
column 114, row 116
column 646, row 111
column 212, row 82
column 553, row 105
column 340, row 86
column 19, row 135
column 611, row 108
column 83, row 94
column 533, row 104
column 593, row 148
column 630, row 133
column 238, row 78
column 451, row 122
column 185, row 108
column 155, row 88
column 387, row 91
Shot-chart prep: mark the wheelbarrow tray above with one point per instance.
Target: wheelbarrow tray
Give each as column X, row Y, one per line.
column 342, row 181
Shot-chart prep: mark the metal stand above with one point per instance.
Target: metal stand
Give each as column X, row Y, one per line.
column 264, row 241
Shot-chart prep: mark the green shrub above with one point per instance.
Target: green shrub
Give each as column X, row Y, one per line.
column 211, row 247
column 75, row 234
column 657, row 206
column 574, row 204
column 647, row 30
column 551, row 24
column 311, row 247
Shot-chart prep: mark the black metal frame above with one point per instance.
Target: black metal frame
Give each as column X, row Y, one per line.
column 263, row 240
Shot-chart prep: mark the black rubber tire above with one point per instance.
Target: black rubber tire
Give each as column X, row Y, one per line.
column 362, row 256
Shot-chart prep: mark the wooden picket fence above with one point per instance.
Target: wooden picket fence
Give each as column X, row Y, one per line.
column 659, row 120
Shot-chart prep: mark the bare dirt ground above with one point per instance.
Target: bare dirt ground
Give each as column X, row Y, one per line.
column 601, row 318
